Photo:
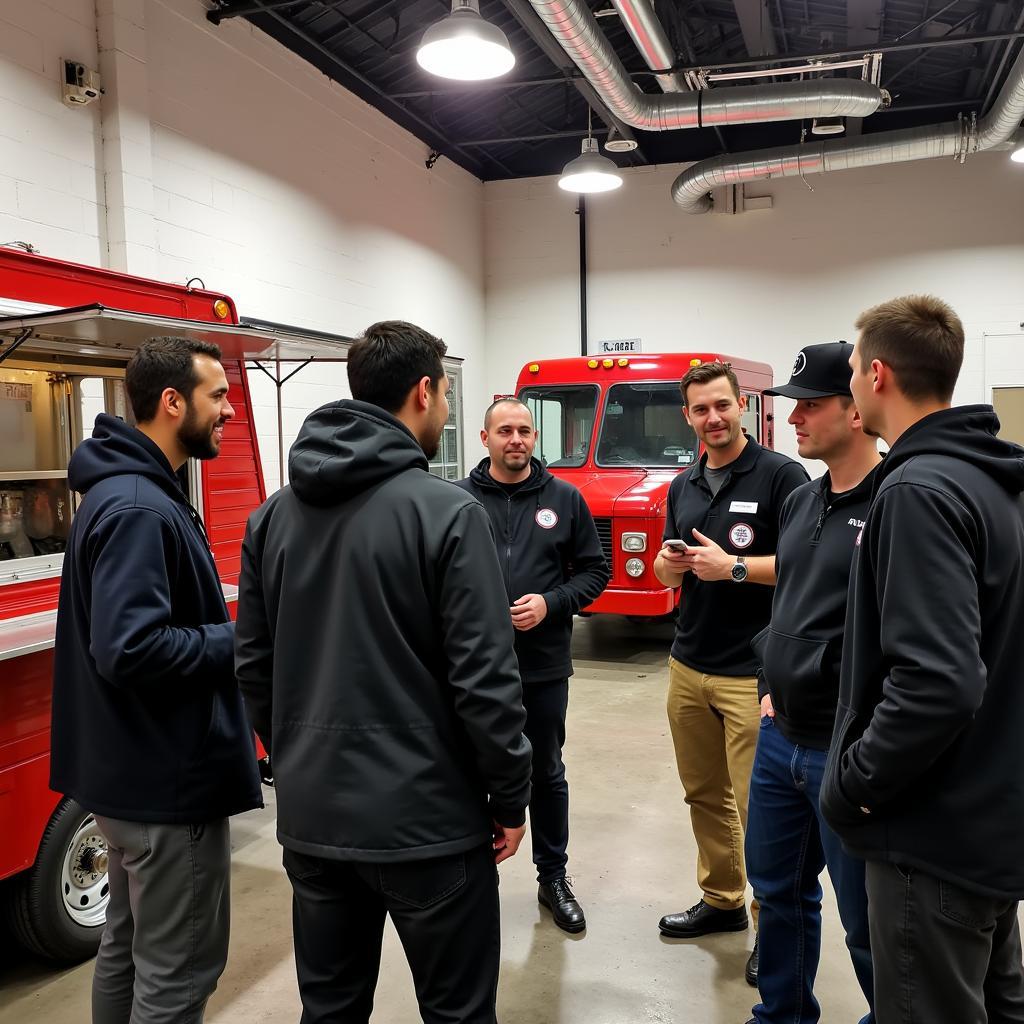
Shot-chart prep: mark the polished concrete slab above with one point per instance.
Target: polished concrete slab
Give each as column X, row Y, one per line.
column 632, row 856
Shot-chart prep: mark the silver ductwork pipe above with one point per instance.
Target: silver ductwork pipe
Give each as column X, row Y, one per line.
column 957, row 139
column 646, row 31
column 578, row 33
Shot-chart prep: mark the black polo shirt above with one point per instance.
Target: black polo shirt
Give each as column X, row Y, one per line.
column 718, row 618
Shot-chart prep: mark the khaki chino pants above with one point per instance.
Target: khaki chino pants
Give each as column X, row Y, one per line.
column 714, row 722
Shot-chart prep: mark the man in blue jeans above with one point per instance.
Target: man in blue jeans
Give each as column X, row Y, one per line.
column 788, row 843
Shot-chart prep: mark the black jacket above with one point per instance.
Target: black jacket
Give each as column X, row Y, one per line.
column 931, row 702
column 801, row 648
column 548, row 545
column 148, row 722
column 719, row 618
column 374, row 649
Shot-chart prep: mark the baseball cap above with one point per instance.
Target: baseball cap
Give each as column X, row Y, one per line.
column 819, row 371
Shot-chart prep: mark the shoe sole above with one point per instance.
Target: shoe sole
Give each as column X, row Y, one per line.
column 696, row 934
column 572, row 929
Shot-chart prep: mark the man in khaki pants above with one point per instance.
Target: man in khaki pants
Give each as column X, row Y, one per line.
column 723, row 515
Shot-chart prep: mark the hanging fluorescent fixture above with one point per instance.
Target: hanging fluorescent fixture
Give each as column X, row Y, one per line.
column 465, row 47
column 828, row 126
column 590, row 172
column 1017, row 142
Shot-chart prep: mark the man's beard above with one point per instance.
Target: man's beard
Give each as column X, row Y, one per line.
column 430, row 446
column 516, row 461
column 195, row 439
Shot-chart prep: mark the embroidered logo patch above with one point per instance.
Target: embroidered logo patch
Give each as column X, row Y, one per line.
column 741, row 536
column 546, row 517
column 800, row 364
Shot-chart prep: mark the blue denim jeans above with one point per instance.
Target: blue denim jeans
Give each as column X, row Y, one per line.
column 787, row 846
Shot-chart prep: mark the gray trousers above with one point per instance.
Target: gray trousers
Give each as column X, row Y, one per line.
column 166, row 938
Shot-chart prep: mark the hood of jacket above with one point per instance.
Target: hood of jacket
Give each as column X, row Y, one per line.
column 966, row 432
column 347, row 447
column 116, row 449
column 539, row 476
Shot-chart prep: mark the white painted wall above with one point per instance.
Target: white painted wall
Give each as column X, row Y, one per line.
column 254, row 172
column 759, row 284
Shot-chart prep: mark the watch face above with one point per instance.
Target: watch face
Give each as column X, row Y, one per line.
column 739, row 572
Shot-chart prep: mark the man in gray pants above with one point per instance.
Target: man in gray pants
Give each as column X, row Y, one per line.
column 148, row 728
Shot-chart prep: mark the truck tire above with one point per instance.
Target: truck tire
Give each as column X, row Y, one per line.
column 58, row 907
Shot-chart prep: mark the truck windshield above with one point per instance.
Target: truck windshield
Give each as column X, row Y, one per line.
column 564, row 416
column 643, row 425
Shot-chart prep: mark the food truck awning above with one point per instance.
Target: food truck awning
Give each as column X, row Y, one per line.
column 100, row 331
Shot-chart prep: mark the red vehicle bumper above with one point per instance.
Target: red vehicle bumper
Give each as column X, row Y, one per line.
column 619, row 601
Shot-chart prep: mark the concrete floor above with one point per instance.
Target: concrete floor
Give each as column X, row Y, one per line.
column 632, row 856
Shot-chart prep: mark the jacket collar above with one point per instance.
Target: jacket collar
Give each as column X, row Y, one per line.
column 743, row 463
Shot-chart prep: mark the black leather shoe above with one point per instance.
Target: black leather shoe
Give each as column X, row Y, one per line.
column 559, row 899
column 702, row 919
column 751, row 972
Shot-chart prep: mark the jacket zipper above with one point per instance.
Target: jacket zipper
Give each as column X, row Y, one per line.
column 822, row 515
column 508, row 544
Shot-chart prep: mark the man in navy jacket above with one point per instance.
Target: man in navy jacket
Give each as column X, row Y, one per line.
column 787, row 843
column 923, row 778
column 149, row 732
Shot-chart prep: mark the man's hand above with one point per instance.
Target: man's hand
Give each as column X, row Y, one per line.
column 528, row 611
column 708, row 560
column 670, row 566
column 766, row 706
column 506, row 841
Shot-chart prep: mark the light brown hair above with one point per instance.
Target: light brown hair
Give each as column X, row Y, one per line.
column 706, row 373
column 920, row 339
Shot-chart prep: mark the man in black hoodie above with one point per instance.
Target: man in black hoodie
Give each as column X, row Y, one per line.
column 553, row 566
column 923, row 778
column 375, row 653
column 149, row 733
column 787, row 844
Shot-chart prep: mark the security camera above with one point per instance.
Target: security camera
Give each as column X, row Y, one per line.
column 81, row 85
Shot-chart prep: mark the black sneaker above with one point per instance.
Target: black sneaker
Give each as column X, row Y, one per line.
column 751, row 970
column 558, row 897
column 702, row 919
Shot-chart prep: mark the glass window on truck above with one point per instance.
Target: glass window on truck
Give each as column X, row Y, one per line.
column 564, row 417
column 643, row 425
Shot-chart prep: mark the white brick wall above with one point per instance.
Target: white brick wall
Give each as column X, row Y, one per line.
column 759, row 284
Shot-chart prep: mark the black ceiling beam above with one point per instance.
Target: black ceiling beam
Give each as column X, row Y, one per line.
column 990, row 95
column 789, row 58
column 358, row 83
column 544, row 137
column 532, row 25
column 472, row 88
column 241, row 8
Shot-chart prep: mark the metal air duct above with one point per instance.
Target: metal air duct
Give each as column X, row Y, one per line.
column 956, row 139
column 579, row 34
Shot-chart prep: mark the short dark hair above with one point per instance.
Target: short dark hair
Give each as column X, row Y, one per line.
column 705, row 373
column 920, row 338
column 161, row 363
column 506, row 400
column 389, row 359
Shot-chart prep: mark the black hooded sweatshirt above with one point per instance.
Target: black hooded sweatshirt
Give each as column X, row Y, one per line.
column 924, row 768
column 548, row 545
column 148, row 723
column 801, row 648
column 374, row 649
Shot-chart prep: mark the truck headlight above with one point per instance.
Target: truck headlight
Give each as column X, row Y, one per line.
column 634, row 542
column 635, row 567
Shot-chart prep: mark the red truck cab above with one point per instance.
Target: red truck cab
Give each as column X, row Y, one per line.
column 66, row 333
column 614, row 428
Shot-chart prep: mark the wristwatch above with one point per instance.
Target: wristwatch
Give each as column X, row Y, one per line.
column 739, row 570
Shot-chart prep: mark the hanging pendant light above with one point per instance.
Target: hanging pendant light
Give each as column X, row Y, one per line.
column 590, row 172
column 464, row 47
column 1017, row 142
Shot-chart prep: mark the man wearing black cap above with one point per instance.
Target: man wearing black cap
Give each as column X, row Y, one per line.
column 788, row 842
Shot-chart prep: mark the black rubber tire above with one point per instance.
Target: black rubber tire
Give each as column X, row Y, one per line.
column 35, row 906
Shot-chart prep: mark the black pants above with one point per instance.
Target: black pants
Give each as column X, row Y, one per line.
column 546, row 705
column 942, row 954
column 444, row 910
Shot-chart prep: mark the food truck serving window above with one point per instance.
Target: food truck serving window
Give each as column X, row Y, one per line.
column 44, row 414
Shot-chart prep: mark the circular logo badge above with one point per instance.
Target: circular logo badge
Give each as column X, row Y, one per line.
column 741, row 536
column 800, row 364
column 546, row 517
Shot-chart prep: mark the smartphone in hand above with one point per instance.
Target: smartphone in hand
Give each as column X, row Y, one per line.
column 678, row 546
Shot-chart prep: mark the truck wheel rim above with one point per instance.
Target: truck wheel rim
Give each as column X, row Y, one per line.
column 84, row 884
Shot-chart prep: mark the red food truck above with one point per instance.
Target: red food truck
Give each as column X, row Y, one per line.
column 66, row 333
column 613, row 427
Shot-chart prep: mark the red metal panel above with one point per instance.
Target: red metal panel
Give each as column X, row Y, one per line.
column 28, row 598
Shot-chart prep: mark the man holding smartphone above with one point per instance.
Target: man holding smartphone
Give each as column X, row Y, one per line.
column 726, row 511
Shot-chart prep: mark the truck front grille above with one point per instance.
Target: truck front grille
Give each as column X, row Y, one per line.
column 604, row 531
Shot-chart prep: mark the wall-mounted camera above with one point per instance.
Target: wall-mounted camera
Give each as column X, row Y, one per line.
column 81, row 85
